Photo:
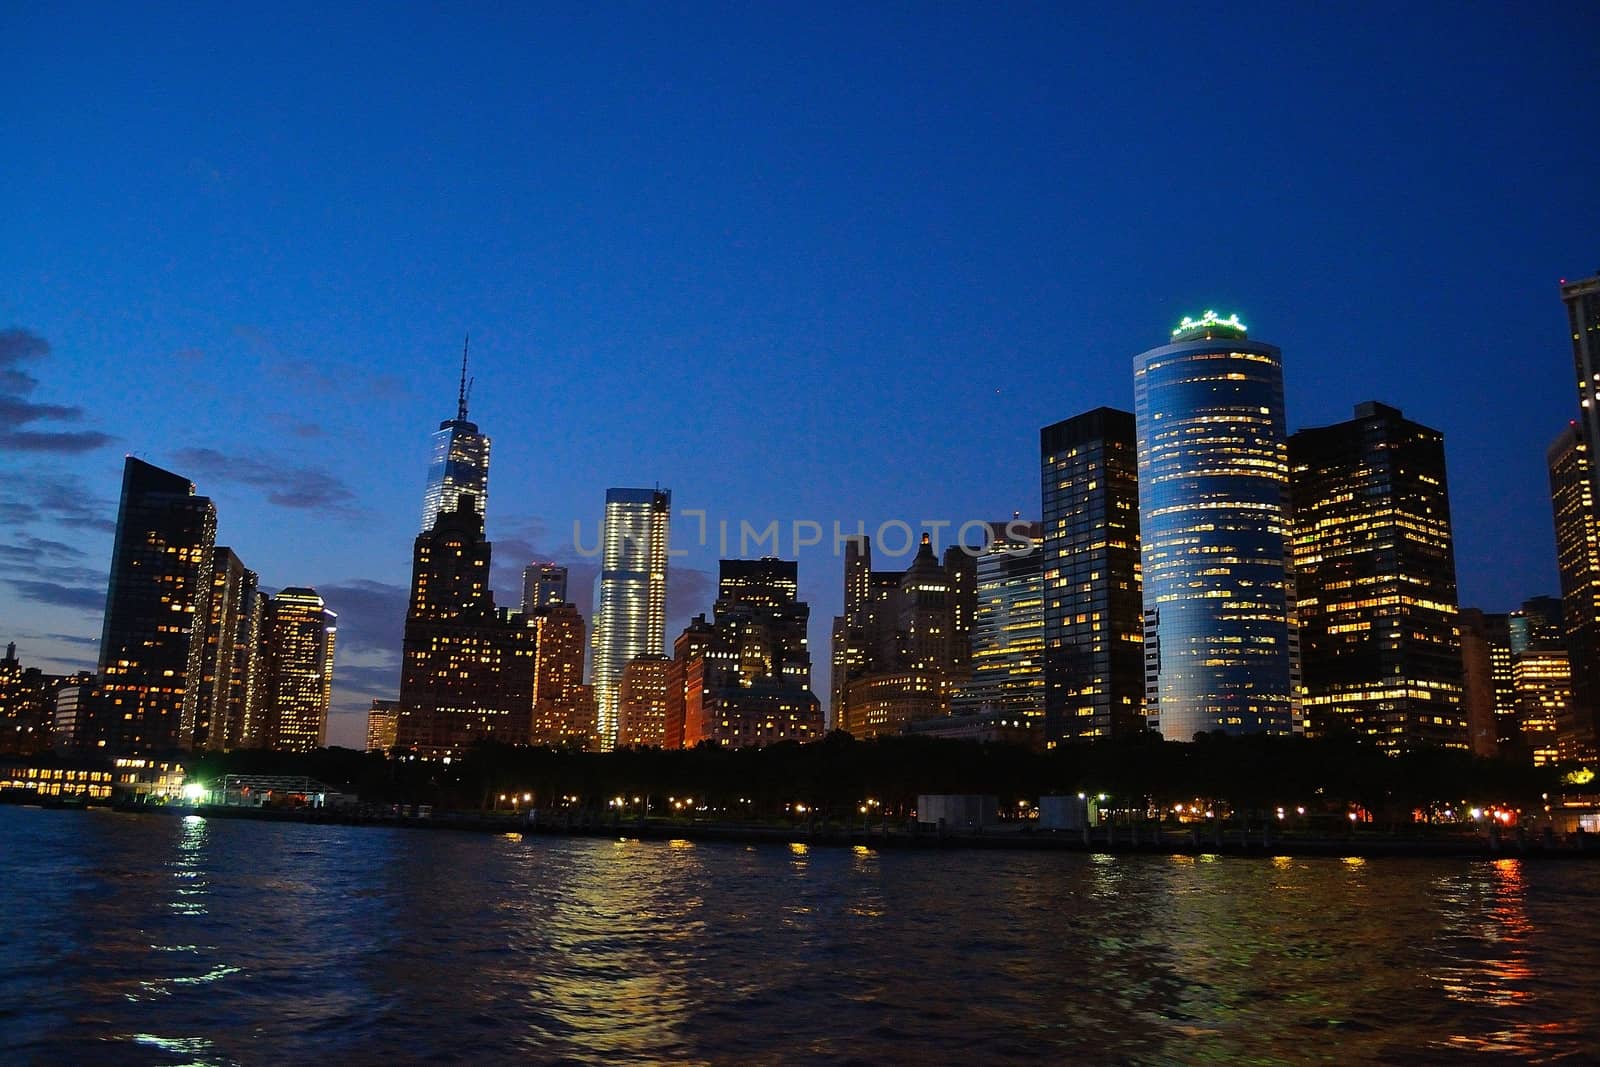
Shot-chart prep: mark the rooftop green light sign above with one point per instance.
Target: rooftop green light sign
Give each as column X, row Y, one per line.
column 1209, row 318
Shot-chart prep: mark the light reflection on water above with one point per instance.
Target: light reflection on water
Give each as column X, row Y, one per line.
column 142, row 939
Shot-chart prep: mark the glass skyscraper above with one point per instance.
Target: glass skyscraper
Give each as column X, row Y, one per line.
column 1220, row 643
column 1375, row 575
column 152, row 640
column 631, row 611
column 1007, row 629
column 1093, row 626
column 459, row 462
column 299, row 633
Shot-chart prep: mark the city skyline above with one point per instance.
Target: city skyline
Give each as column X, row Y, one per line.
column 299, row 397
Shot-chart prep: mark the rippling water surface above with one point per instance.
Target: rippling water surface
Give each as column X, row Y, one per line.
column 150, row 939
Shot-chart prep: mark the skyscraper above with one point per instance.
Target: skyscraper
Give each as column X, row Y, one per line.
column 543, row 585
column 1374, row 567
column 1489, row 688
column 156, row 604
column 298, row 636
column 1582, row 298
column 229, row 655
column 459, row 463
column 1007, row 679
column 1220, row 644
column 563, row 714
column 468, row 667
column 383, row 722
column 1093, row 617
column 1572, row 496
column 631, row 614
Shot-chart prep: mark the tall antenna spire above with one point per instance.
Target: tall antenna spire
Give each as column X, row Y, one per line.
column 461, row 397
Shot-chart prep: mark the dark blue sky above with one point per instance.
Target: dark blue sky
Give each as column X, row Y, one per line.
column 808, row 263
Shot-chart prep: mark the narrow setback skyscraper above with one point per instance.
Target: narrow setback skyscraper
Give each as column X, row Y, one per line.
column 630, row 618
column 1220, row 644
column 459, row 461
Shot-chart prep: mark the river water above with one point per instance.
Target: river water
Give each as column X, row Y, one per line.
column 157, row 939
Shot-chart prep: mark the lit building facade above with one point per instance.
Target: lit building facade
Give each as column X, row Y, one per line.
column 1374, row 567
column 1543, row 681
column 1572, row 496
column 458, row 462
column 642, row 703
column 221, row 711
column 298, row 638
column 631, row 614
column 1007, row 664
column 563, row 707
column 383, row 725
column 1220, row 644
column 544, row 585
column 156, row 607
column 905, row 644
column 1093, row 613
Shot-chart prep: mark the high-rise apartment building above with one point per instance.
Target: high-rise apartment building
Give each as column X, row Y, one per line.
column 156, row 606
column 459, row 462
column 228, row 660
column 298, row 635
column 631, row 612
column 563, row 707
column 1374, row 567
column 1093, row 614
column 468, row 667
column 642, row 703
column 1572, row 499
column 1220, row 643
column 1007, row 668
column 544, row 585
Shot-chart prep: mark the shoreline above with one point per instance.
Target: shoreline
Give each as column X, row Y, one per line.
column 1117, row 841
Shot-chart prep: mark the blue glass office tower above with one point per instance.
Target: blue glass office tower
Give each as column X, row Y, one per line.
column 459, row 462
column 1221, row 651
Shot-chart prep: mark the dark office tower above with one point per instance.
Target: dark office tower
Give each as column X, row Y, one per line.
column 1374, row 567
column 1093, row 616
column 298, row 636
column 459, row 464
column 156, row 606
column 231, row 636
column 1007, row 665
column 1578, row 561
column 468, row 668
column 1582, row 298
column 1489, row 693
column 630, row 618
column 759, row 598
column 1535, row 625
column 544, row 585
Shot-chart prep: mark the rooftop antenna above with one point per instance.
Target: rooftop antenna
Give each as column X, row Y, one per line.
column 461, row 397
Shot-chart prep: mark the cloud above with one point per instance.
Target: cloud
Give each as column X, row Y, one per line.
column 372, row 615
column 86, row 598
column 54, row 498
column 29, row 550
column 75, row 639
column 689, row 592
column 286, row 486
column 17, row 345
